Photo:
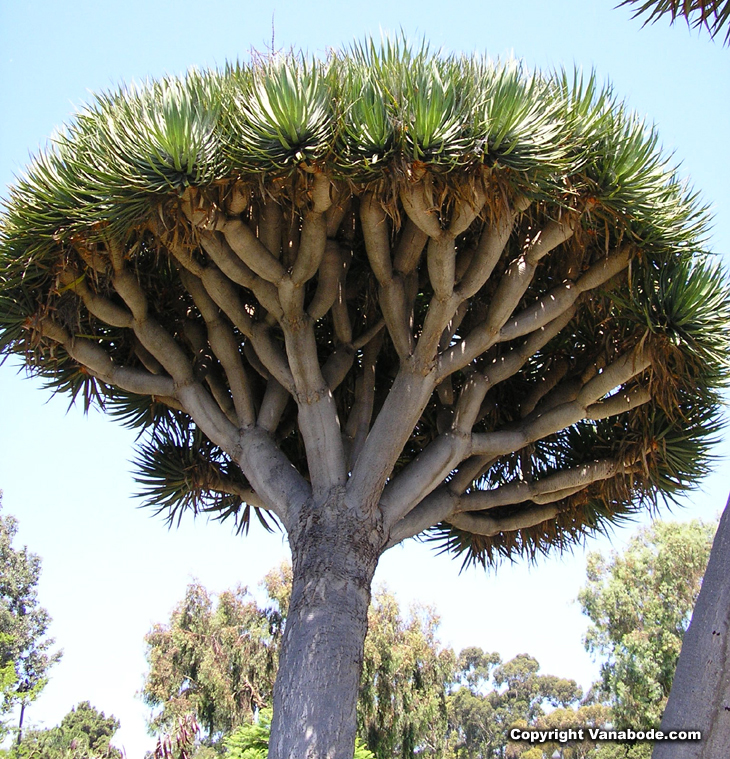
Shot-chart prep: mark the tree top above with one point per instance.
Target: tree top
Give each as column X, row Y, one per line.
column 290, row 258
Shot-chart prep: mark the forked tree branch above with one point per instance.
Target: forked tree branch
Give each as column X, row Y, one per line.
column 97, row 361
column 442, row 456
column 465, row 511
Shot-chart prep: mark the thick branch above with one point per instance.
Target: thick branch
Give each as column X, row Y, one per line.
column 251, row 251
column 576, row 477
column 392, row 293
column 358, row 422
column 272, row 406
column 549, row 422
column 561, row 298
column 512, row 287
column 225, row 346
column 205, row 412
column 92, row 356
column 331, row 271
column 236, row 270
column 401, row 411
column 482, row 524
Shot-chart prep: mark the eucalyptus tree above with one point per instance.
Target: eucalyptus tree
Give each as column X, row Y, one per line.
column 386, row 295
column 640, row 604
column 25, row 655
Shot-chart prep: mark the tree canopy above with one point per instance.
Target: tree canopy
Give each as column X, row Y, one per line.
column 157, row 231
column 388, row 294
column 84, row 733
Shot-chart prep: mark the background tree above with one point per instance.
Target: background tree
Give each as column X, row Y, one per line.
column 25, row 655
column 84, row 733
column 494, row 696
column 382, row 295
column 584, row 715
column 217, row 662
column 640, row 603
column 401, row 709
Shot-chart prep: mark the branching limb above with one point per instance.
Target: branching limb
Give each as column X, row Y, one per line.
column 555, row 419
column 428, row 470
column 340, row 317
column 204, row 411
column 314, row 233
column 410, row 247
column 92, row 356
column 400, row 413
column 251, row 251
column 418, row 203
column 273, row 405
column 619, row 403
column 337, row 366
column 225, row 347
column 271, row 225
column 573, row 479
column 482, row 524
column 206, row 371
column 233, row 267
column 544, row 385
column 318, row 421
column 358, row 422
column 392, row 294
column 282, row 489
column 331, row 272
column 561, row 298
column 432, row 510
column 100, row 307
column 489, row 250
column 512, row 287
column 438, row 459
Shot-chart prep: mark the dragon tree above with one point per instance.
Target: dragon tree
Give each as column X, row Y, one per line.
column 386, row 295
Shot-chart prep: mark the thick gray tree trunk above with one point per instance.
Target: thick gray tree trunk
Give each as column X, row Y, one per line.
column 700, row 696
column 335, row 550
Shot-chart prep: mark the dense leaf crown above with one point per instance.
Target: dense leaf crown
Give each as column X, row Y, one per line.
column 124, row 181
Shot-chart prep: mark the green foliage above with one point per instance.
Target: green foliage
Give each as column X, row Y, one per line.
column 402, row 704
column 640, row 604
column 713, row 15
column 216, row 661
column 25, row 655
column 489, row 697
column 251, row 741
column 84, row 733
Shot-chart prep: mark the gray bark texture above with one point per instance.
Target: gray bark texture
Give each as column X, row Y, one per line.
column 700, row 696
column 316, row 689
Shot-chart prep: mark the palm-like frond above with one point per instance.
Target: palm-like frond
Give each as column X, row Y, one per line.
column 180, row 470
column 280, row 118
column 713, row 15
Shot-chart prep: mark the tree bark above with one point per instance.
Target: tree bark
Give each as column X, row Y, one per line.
column 335, row 549
column 700, row 696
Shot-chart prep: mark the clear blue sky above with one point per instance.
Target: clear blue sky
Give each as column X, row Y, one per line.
column 110, row 569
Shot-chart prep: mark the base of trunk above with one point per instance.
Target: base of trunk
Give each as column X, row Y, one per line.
column 334, row 556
